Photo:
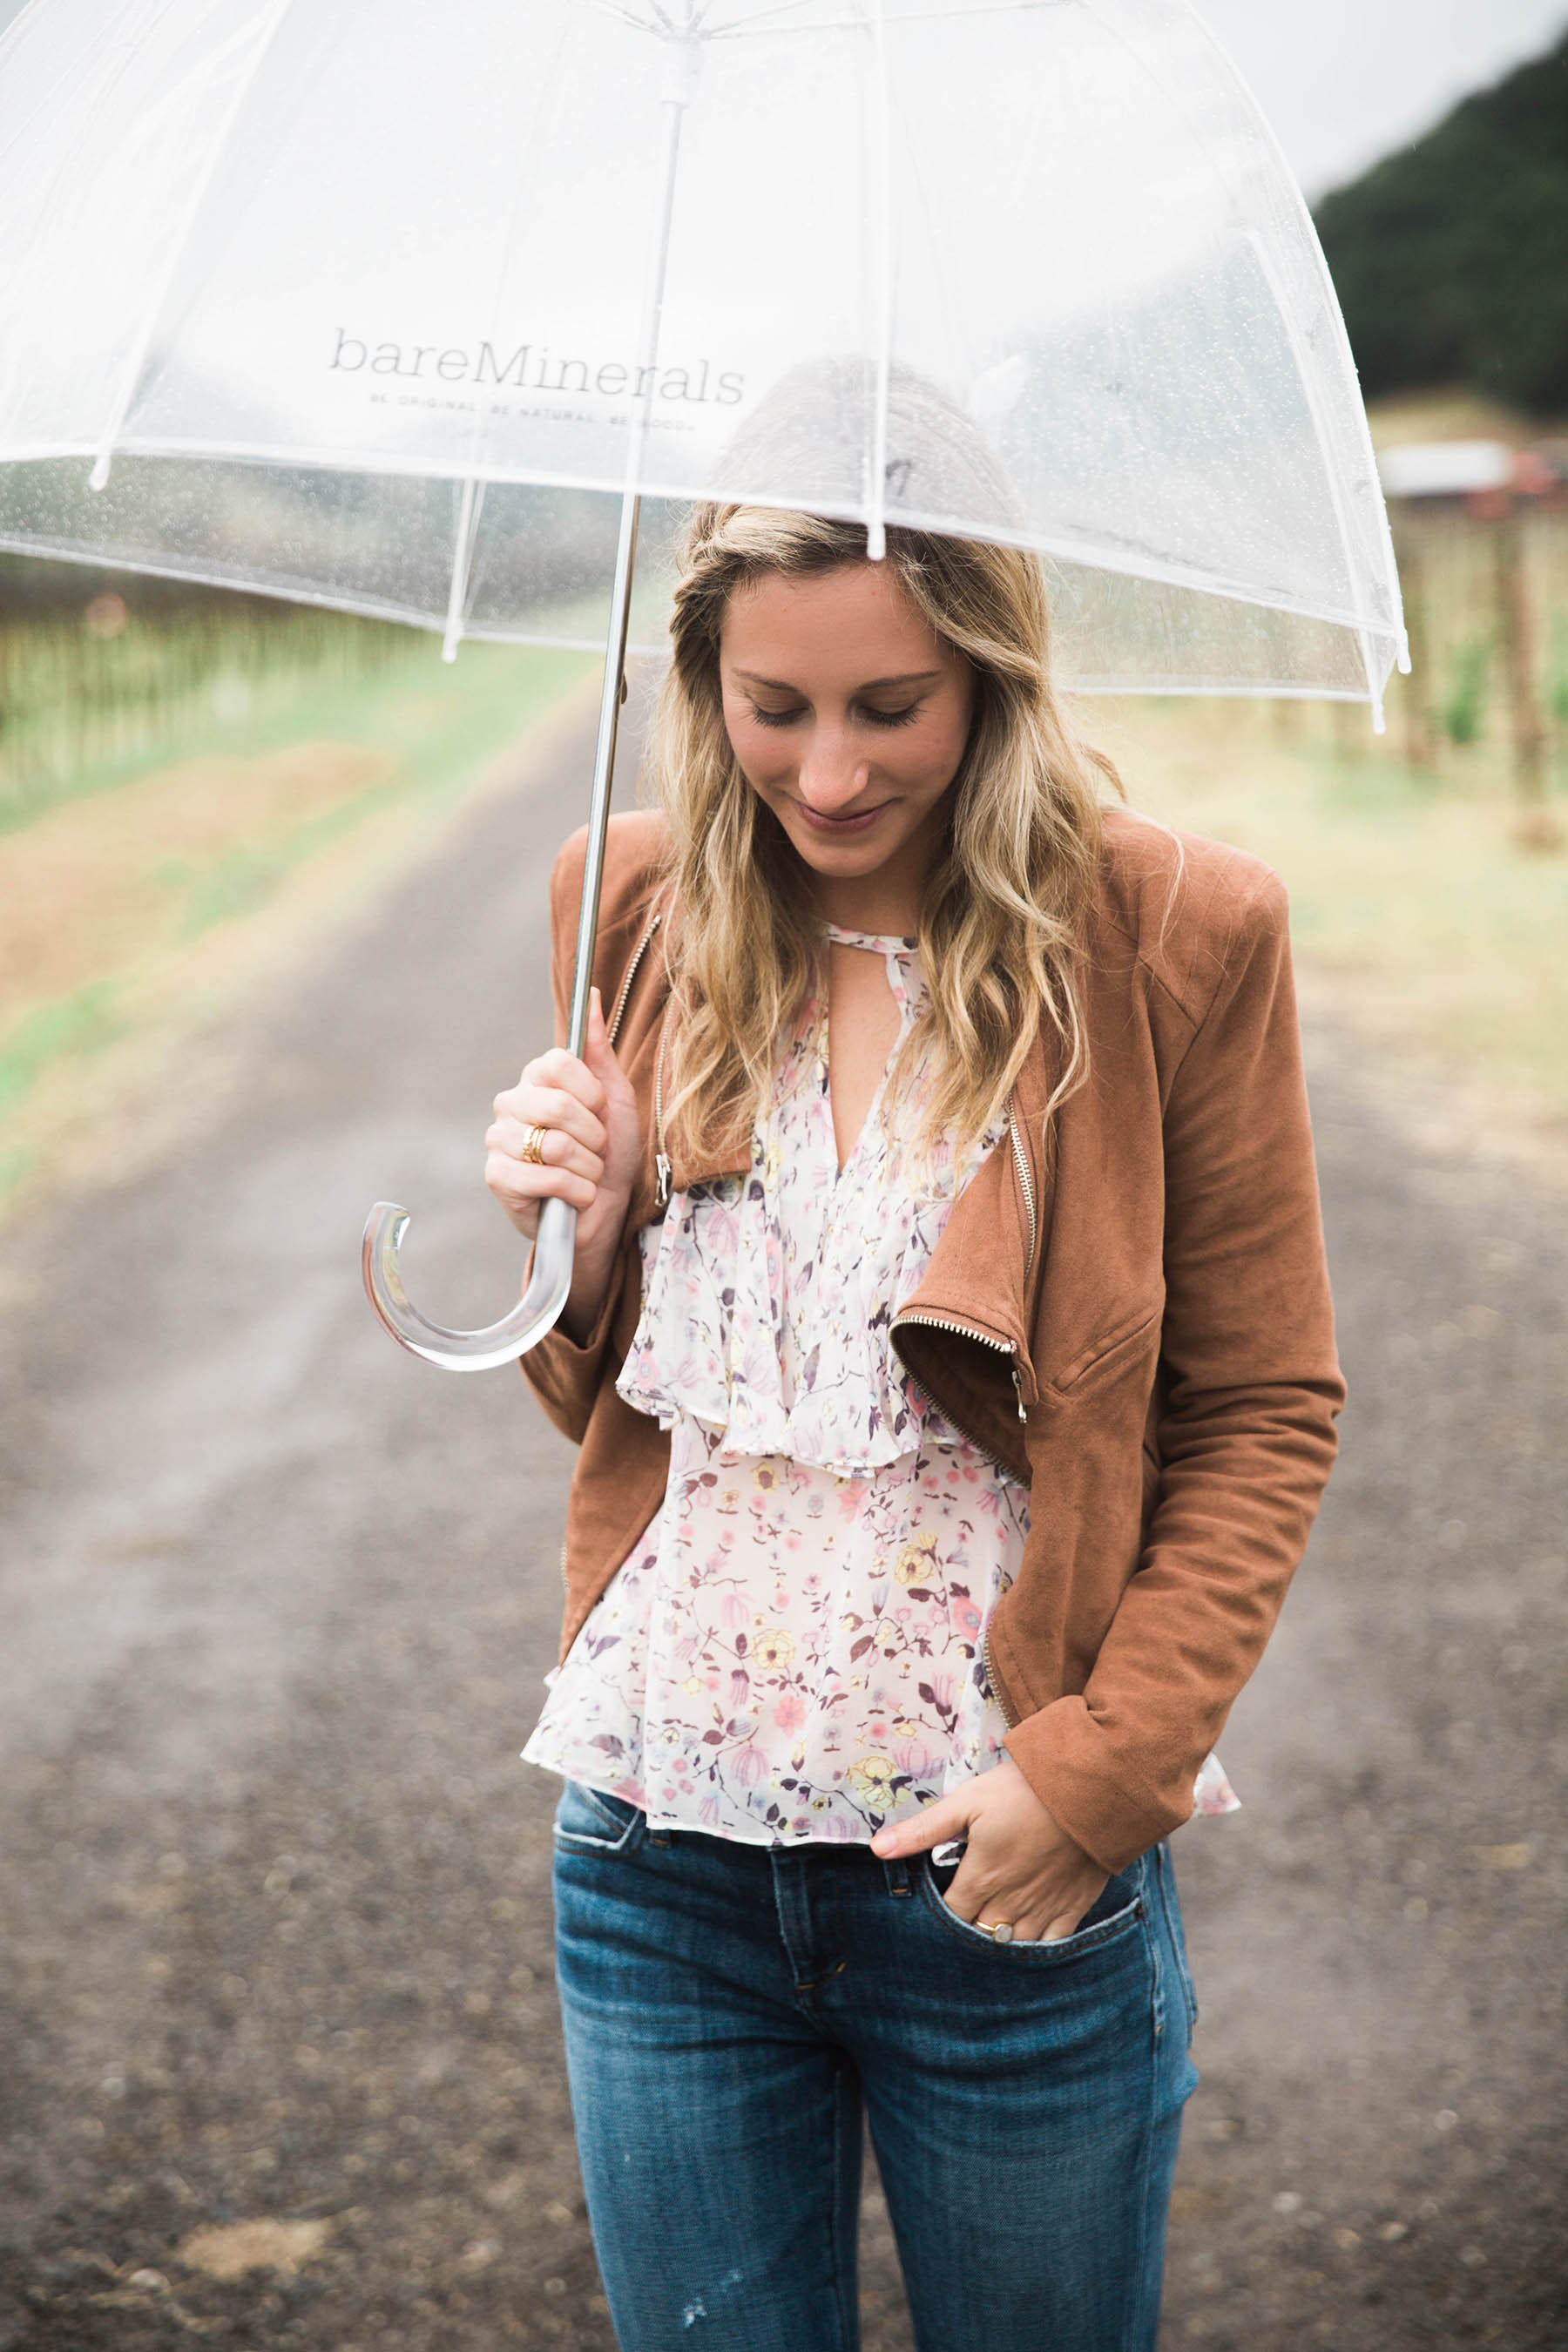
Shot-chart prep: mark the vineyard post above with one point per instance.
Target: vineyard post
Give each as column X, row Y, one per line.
column 1527, row 727
column 1420, row 738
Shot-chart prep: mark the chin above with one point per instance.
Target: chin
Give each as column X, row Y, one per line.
column 841, row 857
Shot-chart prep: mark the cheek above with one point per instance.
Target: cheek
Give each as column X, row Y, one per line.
column 929, row 757
column 741, row 731
column 763, row 758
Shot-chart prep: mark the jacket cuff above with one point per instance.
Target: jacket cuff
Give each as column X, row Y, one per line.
column 1070, row 1762
column 564, row 1373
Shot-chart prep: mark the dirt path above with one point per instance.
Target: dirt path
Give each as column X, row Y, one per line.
column 275, row 1600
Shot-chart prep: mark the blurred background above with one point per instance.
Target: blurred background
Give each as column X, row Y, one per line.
column 275, row 1600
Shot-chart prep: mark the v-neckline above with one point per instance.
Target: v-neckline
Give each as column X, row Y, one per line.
column 888, row 944
column 873, row 1108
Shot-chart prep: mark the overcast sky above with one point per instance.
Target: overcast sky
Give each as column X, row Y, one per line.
column 1343, row 81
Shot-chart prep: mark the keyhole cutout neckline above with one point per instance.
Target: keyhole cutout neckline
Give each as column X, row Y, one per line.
column 898, row 953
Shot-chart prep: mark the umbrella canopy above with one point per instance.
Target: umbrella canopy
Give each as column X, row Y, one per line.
column 352, row 303
column 410, row 312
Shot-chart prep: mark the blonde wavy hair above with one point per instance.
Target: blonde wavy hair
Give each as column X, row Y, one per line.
column 1003, row 906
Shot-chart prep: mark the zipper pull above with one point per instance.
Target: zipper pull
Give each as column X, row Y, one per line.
column 661, row 1194
column 1018, row 1393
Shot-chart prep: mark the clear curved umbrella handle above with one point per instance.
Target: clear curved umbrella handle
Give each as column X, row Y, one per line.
column 497, row 1343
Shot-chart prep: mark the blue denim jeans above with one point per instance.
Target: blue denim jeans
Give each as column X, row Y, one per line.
column 734, row 2013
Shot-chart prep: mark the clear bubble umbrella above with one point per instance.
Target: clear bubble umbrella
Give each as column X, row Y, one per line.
column 433, row 314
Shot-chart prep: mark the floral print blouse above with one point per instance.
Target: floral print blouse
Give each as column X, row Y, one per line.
column 792, row 1650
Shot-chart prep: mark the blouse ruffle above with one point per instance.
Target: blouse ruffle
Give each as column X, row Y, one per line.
column 768, row 1298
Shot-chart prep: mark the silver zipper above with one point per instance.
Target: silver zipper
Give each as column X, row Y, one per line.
column 660, row 1158
column 966, row 1331
column 991, row 1685
column 630, row 974
column 1021, row 1162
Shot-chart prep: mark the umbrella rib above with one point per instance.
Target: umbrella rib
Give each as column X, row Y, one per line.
column 132, row 373
column 1386, row 537
column 624, row 15
column 70, row 76
column 883, row 266
column 1330, row 471
column 462, row 562
column 479, row 436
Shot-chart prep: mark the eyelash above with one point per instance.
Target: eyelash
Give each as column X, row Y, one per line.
column 876, row 717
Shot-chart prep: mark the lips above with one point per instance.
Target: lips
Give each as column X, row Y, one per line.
column 856, row 823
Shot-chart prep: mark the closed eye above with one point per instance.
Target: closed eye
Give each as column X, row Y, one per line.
column 873, row 716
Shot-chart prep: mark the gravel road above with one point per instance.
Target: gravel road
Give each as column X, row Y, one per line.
column 282, row 2060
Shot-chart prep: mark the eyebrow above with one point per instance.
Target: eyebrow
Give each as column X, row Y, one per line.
column 871, row 685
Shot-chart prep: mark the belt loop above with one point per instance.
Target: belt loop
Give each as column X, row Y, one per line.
column 896, row 1873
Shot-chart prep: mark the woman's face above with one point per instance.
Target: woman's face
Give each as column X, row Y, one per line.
column 849, row 716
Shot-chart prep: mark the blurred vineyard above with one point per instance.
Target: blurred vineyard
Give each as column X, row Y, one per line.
column 93, row 686
column 1428, row 866
column 192, row 782
column 193, row 787
column 1486, row 598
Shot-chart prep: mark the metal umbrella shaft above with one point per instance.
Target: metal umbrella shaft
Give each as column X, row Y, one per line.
column 550, row 1276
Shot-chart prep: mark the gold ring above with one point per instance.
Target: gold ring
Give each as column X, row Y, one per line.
column 533, row 1146
column 1002, row 1933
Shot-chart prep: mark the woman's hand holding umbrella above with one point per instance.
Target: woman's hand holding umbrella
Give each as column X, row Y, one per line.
column 568, row 1131
column 1020, row 1871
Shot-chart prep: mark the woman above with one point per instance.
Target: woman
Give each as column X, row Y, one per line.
column 951, row 1357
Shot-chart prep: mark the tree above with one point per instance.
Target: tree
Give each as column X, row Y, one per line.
column 1451, row 258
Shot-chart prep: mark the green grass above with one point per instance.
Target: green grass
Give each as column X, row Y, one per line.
column 1409, row 890
column 81, row 1023
column 430, row 729
column 81, row 713
column 78, row 718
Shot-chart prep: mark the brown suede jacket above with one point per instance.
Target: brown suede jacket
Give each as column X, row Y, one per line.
column 1138, row 1324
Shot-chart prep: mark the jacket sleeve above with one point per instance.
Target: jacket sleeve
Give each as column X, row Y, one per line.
column 1251, row 1389
column 565, row 1375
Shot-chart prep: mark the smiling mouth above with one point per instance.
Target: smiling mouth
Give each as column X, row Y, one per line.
column 855, row 824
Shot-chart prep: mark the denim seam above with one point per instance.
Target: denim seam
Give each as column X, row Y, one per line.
column 1156, row 1980
column 1135, row 2280
column 848, row 2328
column 573, row 1841
column 1164, row 1873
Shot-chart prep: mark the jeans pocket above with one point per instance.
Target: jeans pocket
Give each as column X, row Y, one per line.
column 1115, row 1913
column 590, row 1820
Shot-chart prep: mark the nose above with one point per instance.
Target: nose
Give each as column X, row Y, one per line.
column 832, row 777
